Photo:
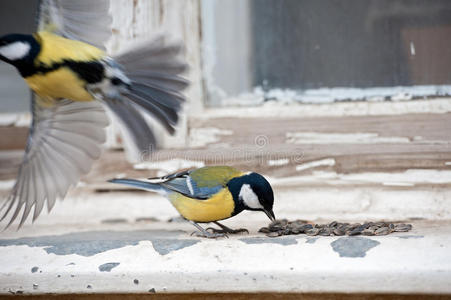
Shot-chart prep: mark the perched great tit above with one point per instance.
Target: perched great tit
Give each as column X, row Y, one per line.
column 210, row 194
column 72, row 79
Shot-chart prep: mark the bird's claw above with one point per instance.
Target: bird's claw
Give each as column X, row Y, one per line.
column 229, row 231
column 209, row 235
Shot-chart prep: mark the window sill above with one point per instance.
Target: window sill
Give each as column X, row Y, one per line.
column 115, row 258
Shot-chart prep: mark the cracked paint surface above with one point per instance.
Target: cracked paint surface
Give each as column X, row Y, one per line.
column 165, row 246
column 411, row 237
column 280, row 241
column 311, row 240
column 93, row 242
column 107, row 267
column 353, row 246
column 171, row 261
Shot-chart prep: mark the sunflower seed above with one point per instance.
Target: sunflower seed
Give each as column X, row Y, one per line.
column 338, row 231
column 286, row 227
column 333, row 224
column 273, row 234
column 382, row 231
column 313, row 231
column 325, row 231
column 368, row 232
column 264, row 230
column 402, row 227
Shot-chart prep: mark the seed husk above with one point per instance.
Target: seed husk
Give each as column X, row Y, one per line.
column 313, row 231
column 382, row 231
column 286, row 227
column 264, row 230
column 402, row 227
column 274, row 234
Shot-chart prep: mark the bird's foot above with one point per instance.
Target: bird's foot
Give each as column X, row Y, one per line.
column 228, row 230
column 225, row 229
column 209, row 235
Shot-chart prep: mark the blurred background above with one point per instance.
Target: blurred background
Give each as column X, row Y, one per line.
column 331, row 99
column 368, row 49
column 343, row 105
column 308, row 45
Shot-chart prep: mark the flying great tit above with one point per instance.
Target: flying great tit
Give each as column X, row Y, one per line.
column 210, row 194
column 72, row 79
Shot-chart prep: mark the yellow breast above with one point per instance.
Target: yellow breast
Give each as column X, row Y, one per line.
column 62, row 82
column 55, row 49
column 220, row 206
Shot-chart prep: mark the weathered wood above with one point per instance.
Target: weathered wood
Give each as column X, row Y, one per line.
column 13, row 138
column 420, row 141
column 140, row 20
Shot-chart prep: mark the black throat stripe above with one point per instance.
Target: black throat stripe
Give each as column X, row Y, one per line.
column 234, row 186
column 90, row 71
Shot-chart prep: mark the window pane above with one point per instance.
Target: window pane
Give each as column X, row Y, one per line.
column 352, row 44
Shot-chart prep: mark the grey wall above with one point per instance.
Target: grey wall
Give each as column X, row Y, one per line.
column 16, row 16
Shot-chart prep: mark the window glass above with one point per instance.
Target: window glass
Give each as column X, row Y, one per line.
column 326, row 50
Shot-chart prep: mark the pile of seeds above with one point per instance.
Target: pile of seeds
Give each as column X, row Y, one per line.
column 285, row 227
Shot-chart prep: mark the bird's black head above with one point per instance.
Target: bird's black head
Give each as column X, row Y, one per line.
column 18, row 49
column 252, row 192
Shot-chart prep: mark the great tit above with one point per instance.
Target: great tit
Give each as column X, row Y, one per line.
column 72, row 79
column 210, row 194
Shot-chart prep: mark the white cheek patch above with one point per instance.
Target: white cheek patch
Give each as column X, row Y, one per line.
column 15, row 51
column 249, row 198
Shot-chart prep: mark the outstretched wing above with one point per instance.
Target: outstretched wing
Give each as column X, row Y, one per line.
column 63, row 142
column 155, row 68
column 84, row 20
column 200, row 183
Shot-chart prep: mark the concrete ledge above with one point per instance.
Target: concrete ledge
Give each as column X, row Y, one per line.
column 119, row 258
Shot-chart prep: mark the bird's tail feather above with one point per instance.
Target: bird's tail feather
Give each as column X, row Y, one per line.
column 137, row 128
column 143, row 185
column 154, row 68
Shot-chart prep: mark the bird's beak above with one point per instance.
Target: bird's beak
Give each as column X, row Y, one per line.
column 270, row 214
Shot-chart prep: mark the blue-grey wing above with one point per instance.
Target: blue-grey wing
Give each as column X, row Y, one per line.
column 187, row 186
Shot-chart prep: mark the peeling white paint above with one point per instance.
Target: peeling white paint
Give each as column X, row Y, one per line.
column 336, row 94
column 15, row 119
column 359, row 108
column 200, row 137
column 278, row 162
column 6, row 184
column 411, row 176
column 402, row 96
column 232, row 265
column 398, row 183
column 342, row 138
column 317, row 163
column 412, row 48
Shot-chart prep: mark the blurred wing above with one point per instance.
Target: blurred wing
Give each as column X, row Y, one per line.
column 135, row 125
column 84, row 20
column 154, row 68
column 63, row 142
